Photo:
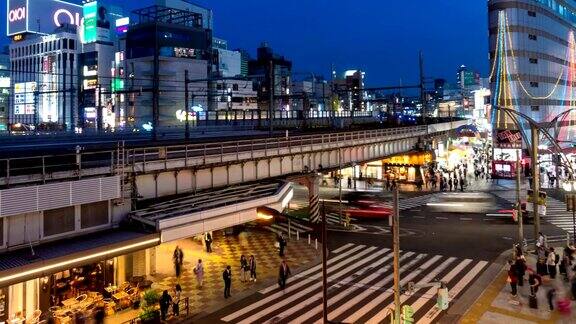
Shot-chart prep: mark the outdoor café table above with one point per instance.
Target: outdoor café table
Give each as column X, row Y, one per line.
column 69, row 302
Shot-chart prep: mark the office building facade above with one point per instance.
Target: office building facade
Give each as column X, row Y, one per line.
column 531, row 42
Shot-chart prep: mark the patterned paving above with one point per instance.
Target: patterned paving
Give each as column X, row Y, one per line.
column 227, row 251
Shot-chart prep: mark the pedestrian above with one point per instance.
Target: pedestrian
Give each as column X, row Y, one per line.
column 208, row 242
column 165, row 301
column 551, row 261
column 178, row 260
column 243, row 268
column 551, row 295
column 252, row 266
column 450, row 183
column 360, row 176
column 455, row 182
column 534, row 280
column 176, row 300
column 461, row 183
column 541, row 240
column 349, row 183
column 199, row 272
column 281, row 244
column 283, row 274
column 563, row 267
column 227, row 276
column 512, row 279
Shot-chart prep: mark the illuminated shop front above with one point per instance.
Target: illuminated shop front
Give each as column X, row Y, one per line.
column 406, row 167
column 74, row 287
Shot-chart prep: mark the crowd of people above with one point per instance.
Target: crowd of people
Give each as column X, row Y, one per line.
column 549, row 264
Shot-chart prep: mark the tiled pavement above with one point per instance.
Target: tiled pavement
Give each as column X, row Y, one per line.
column 227, row 251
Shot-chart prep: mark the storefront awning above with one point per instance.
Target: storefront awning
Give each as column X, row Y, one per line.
column 192, row 214
column 21, row 265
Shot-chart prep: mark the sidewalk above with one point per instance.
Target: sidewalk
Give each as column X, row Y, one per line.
column 496, row 305
column 226, row 251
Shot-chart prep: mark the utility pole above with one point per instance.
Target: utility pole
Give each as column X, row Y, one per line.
column 535, row 182
column 271, row 97
column 324, row 266
column 422, row 92
column 519, row 202
column 396, row 244
column 187, row 106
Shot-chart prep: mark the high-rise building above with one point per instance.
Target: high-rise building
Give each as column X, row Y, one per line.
column 182, row 44
column 244, row 59
column 186, row 5
column 350, row 89
column 531, row 42
column 4, row 90
column 273, row 71
column 227, row 63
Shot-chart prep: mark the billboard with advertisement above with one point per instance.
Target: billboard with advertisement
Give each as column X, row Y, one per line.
column 506, row 138
column 96, row 25
column 40, row 16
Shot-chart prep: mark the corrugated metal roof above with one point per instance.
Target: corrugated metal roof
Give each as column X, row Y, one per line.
column 23, row 257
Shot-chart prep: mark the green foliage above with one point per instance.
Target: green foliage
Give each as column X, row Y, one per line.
column 151, row 297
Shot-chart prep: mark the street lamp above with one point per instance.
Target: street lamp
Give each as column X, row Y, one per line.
column 570, row 189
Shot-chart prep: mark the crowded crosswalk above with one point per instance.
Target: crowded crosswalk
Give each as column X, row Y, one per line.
column 360, row 281
column 556, row 213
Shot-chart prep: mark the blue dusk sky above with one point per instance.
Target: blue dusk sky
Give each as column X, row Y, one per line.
column 381, row 37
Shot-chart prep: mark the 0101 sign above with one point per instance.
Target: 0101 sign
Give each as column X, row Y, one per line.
column 17, row 14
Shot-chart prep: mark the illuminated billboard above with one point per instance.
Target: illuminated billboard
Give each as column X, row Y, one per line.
column 24, row 102
column 40, row 16
column 96, row 25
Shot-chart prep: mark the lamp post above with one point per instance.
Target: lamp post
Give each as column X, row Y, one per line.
column 570, row 189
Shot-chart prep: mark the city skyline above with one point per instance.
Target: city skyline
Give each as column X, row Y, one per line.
column 445, row 44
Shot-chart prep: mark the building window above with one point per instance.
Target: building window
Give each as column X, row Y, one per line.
column 534, row 84
column 58, row 221
column 65, row 43
column 235, row 87
column 533, row 60
column 72, row 44
column 535, row 108
column 531, row 13
column 532, row 37
column 94, row 214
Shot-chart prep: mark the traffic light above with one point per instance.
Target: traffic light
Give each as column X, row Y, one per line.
column 407, row 314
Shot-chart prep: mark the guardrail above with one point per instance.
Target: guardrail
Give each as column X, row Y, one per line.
column 40, row 169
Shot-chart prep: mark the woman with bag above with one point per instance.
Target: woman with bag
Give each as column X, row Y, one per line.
column 551, row 263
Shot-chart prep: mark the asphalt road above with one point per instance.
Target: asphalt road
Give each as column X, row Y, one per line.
column 442, row 229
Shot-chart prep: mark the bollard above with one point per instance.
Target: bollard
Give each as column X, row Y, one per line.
column 308, row 239
column 316, row 244
column 297, row 235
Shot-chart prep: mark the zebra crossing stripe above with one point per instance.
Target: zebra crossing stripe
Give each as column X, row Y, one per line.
column 430, row 293
column 380, row 316
column 360, row 288
column 453, row 292
column 317, row 267
column 343, row 247
column 382, row 297
column 317, row 298
column 332, row 315
column 295, row 296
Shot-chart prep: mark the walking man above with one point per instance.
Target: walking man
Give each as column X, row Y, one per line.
column 208, row 241
column 283, row 274
column 227, row 276
column 512, row 279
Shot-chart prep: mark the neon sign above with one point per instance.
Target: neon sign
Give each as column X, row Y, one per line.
column 40, row 16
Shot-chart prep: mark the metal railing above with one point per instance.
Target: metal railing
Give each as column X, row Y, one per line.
column 39, row 169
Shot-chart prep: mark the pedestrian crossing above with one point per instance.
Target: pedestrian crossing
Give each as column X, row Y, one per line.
column 360, row 288
column 413, row 202
column 556, row 213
